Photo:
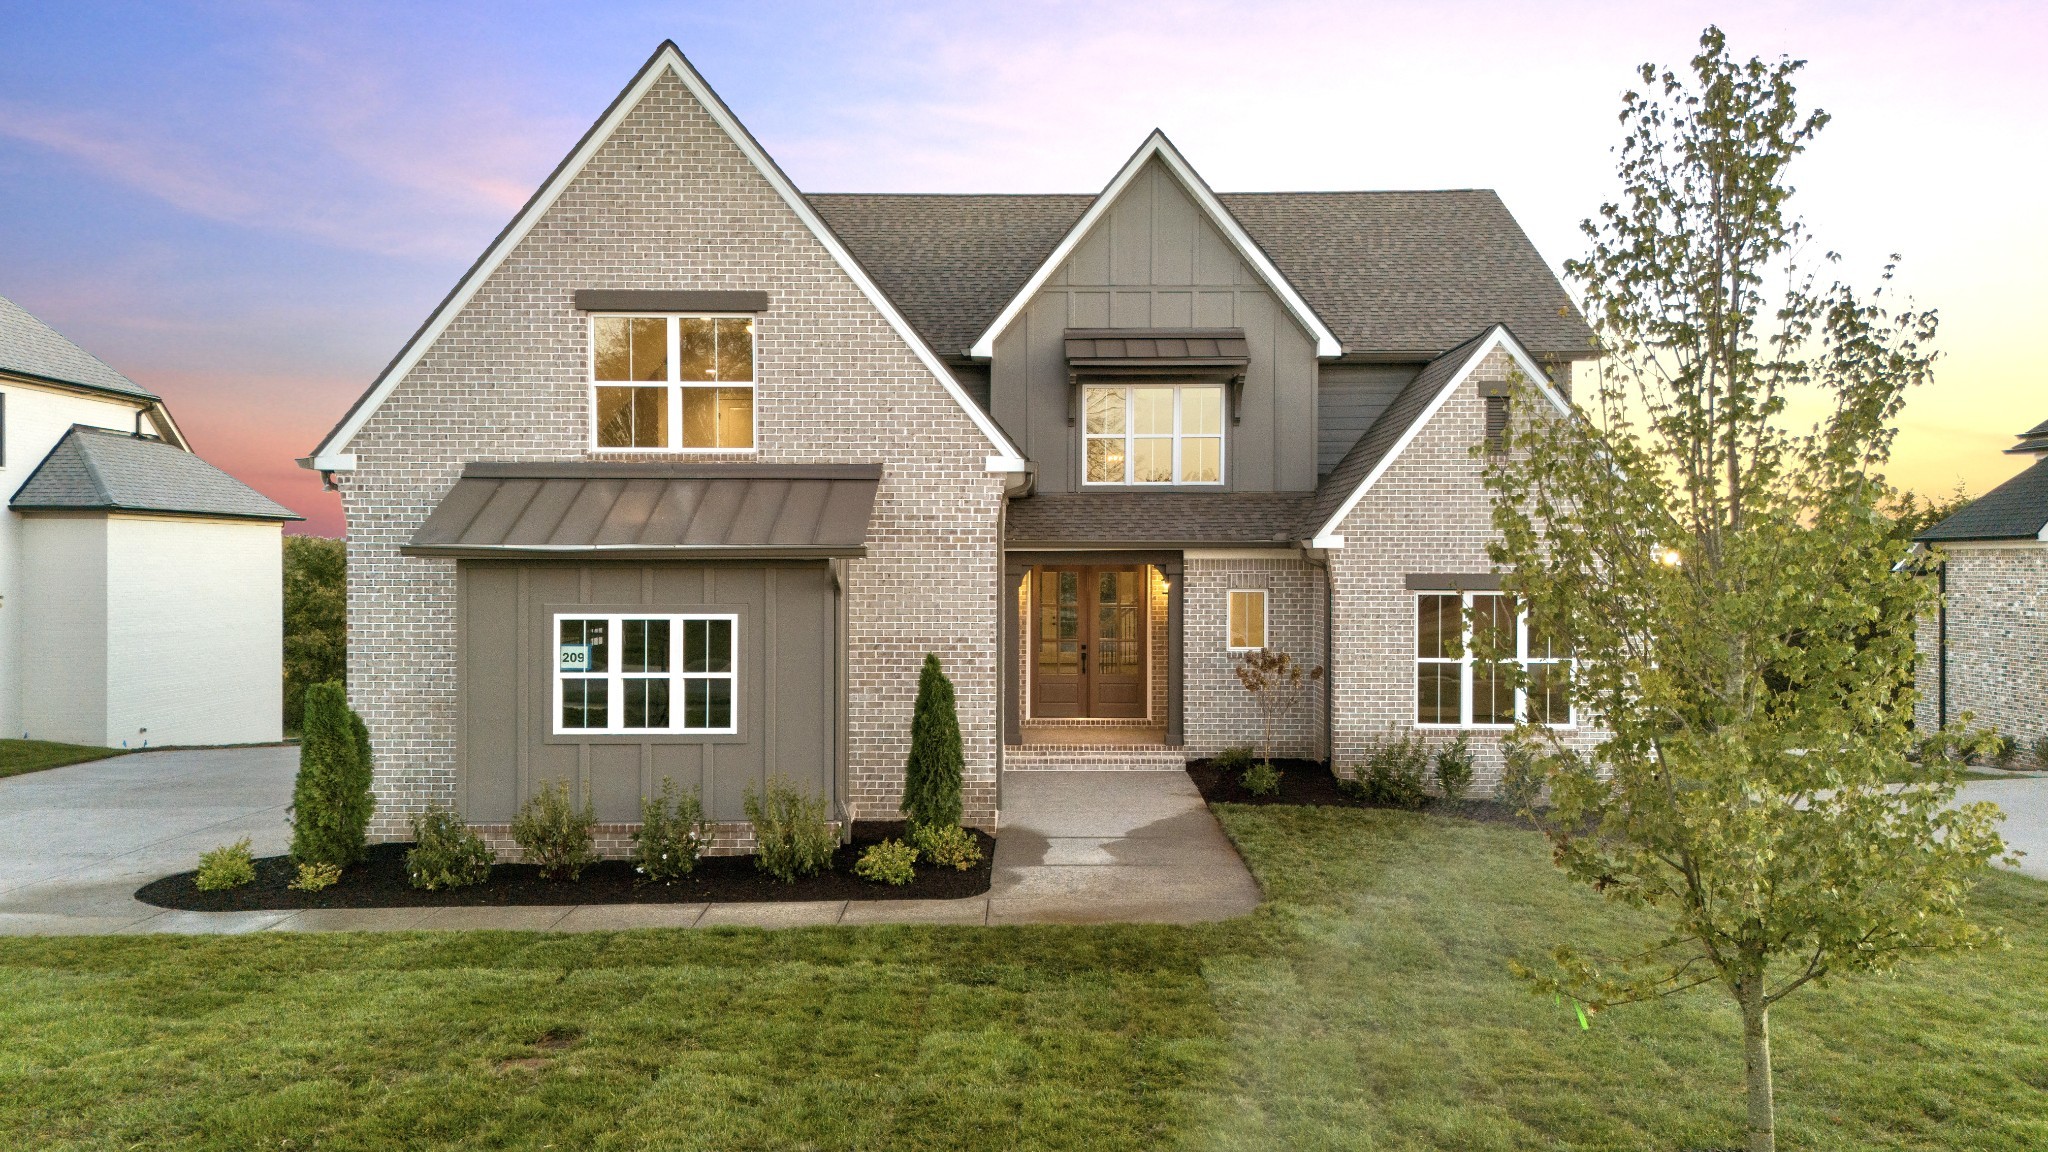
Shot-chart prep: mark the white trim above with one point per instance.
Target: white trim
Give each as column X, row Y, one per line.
column 1327, row 536
column 615, row 678
column 1465, row 662
column 1130, row 436
column 1265, row 618
column 667, row 58
column 1158, row 145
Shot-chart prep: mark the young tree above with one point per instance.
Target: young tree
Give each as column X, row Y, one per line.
column 1276, row 683
column 931, row 777
column 1742, row 625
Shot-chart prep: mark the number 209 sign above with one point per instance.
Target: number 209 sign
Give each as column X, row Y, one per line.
column 575, row 658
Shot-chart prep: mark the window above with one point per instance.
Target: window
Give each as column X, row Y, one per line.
column 672, row 383
column 1455, row 688
column 1154, row 435
column 618, row 674
column 1247, row 620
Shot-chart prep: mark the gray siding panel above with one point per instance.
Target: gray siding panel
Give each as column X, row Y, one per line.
column 787, row 688
column 1351, row 397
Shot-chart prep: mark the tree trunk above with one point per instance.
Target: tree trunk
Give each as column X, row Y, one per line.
column 1756, row 1062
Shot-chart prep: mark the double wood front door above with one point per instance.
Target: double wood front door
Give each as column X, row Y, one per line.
column 1091, row 642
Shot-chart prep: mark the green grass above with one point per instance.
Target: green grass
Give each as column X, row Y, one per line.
column 1367, row 1007
column 19, row 756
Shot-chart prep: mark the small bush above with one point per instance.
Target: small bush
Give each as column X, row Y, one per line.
column 331, row 801
column 2041, row 751
column 1261, row 779
column 554, row 833
column 1454, row 769
column 792, row 839
column 672, row 834
column 1521, row 779
column 890, row 862
column 2002, row 751
column 947, row 846
column 446, row 852
column 931, row 777
column 228, row 866
column 1393, row 774
column 1235, row 758
column 315, row 877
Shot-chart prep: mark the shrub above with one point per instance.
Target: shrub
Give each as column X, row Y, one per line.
column 2002, row 750
column 1393, row 774
column 554, row 833
column 1454, row 769
column 1261, row 779
column 890, row 862
column 792, row 839
column 671, row 836
column 315, row 876
column 446, row 852
column 947, row 846
column 1521, row 779
column 331, row 801
column 1235, row 758
column 2041, row 751
column 931, row 778
column 228, row 866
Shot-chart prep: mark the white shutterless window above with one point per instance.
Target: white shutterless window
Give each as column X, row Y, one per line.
column 1152, row 434
column 672, row 383
column 1456, row 689
column 620, row 673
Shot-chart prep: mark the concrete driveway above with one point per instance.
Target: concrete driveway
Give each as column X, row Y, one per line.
column 76, row 842
column 2025, row 800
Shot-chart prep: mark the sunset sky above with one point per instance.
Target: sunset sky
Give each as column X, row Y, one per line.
column 248, row 207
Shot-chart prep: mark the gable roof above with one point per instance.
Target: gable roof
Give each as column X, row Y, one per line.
column 94, row 469
column 2034, row 439
column 1397, row 427
column 1158, row 147
column 29, row 347
column 1408, row 274
column 2015, row 510
column 331, row 455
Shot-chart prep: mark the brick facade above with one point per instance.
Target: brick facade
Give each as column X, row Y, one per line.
column 669, row 201
column 1997, row 633
column 1218, row 712
column 1429, row 513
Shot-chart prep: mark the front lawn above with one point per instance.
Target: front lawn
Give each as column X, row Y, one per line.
column 19, row 756
column 1366, row 1007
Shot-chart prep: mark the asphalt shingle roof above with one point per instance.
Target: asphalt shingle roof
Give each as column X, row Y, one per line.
column 1155, row 519
column 2015, row 510
column 1410, row 273
column 32, row 348
column 96, row 469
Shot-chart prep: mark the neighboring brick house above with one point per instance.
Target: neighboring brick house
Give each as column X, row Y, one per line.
column 1985, row 651
column 689, row 472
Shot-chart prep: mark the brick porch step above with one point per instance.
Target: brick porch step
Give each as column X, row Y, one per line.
column 1093, row 758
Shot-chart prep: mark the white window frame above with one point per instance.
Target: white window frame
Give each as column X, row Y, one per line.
column 615, row 677
column 672, row 432
column 1222, row 437
column 1265, row 618
column 1466, row 660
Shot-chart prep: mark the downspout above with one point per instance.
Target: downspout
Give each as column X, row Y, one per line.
column 1941, row 643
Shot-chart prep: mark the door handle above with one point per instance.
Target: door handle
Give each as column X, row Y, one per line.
column 1084, row 656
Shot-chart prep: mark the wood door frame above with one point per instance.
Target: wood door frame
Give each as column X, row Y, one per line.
column 1089, row 636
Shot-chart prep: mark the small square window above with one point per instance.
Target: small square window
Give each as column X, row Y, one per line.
column 1247, row 620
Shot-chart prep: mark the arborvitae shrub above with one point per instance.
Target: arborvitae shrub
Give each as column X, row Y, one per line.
column 931, row 778
column 331, row 801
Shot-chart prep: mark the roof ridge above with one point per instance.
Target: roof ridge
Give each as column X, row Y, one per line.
column 92, row 469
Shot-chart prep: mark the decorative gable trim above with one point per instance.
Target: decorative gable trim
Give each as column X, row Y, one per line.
column 333, row 456
column 1327, row 536
column 1157, row 145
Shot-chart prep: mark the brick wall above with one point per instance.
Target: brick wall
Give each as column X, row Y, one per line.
column 670, row 202
column 1217, row 711
column 1997, row 641
column 1430, row 513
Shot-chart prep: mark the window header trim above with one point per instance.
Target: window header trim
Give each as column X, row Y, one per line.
column 666, row 300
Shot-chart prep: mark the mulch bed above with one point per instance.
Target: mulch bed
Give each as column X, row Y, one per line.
column 379, row 881
column 1310, row 783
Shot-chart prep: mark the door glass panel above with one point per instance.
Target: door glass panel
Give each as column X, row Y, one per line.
column 1118, row 634
column 1059, row 626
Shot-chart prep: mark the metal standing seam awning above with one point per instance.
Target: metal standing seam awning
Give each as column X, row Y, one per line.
column 588, row 511
column 1137, row 354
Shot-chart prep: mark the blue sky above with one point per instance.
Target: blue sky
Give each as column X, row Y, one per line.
column 248, row 207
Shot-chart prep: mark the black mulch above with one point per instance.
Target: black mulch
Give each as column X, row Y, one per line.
column 1310, row 782
column 379, row 882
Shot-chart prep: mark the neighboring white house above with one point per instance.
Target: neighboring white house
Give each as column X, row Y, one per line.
column 141, row 594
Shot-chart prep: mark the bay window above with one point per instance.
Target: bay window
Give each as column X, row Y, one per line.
column 672, row 383
column 641, row 673
column 1153, row 434
column 1456, row 687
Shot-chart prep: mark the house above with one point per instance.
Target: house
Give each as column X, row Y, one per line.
column 141, row 591
column 1986, row 649
column 690, row 470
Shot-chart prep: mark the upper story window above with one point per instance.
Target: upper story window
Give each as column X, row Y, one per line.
column 672, row 383
column 1154, row 434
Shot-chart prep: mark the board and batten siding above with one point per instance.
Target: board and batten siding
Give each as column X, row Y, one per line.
column 785, row 695
column 1156, row 261
column 1352, row 398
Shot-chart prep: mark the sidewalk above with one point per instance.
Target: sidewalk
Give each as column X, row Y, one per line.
column 1075, row 847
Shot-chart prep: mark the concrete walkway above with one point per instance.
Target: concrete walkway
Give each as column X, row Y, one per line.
column 1076, row 847
column 2025, row 800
